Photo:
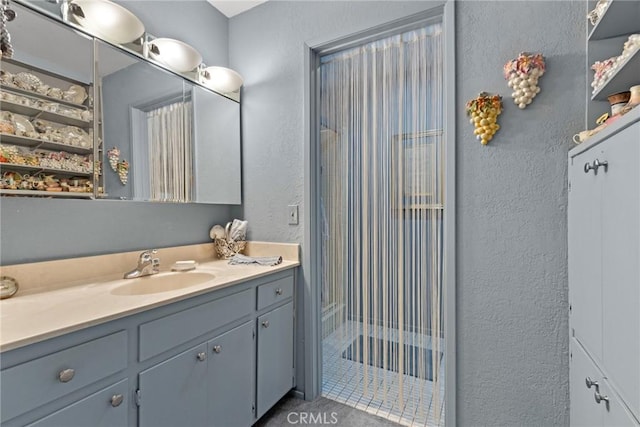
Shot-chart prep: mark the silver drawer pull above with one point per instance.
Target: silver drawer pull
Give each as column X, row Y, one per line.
column 66, row 375
column 600, row 397
column 202, row 356
column 265, row 324
column 279, row 291
column 591, row 383
column 217, row 348
column 116, row 400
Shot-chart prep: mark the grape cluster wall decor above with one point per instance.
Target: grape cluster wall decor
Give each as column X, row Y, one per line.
column 484, row 111
column 522, row 75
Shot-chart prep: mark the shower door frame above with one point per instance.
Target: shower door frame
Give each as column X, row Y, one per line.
column 311, row 258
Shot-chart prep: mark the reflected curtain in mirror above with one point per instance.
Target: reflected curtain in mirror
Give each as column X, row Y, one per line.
column 170, row 152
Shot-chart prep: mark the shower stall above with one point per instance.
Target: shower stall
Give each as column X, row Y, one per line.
column 381, row 180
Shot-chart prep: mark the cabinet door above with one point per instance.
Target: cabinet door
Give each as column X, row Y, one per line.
column 615, row 413
column 275, row 356
column 231, row 378
column 174, row 392
column 584, row 411
column 621, row 264
column 584, row 253
column 106, row 408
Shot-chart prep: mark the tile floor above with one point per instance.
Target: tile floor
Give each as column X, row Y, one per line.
column 343, row 381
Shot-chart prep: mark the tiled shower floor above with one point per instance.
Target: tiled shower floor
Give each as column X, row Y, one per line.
column 343, row 381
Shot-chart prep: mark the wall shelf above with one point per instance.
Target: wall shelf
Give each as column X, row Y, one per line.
column 628, row 71
column 39, row 143
column 621, row 17
column 37, row 113
column 38, row 169
column 33, row 94
column 56, row 194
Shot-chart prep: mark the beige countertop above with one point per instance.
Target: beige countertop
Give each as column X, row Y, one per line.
column 40, row 313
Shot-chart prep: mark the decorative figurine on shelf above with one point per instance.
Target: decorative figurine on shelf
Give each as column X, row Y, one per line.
column 114, row 158
column 123, row 171
column 522, row 75
column 484, row 111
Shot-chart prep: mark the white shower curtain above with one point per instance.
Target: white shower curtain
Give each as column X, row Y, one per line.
column 381, row 107
column 170, row 151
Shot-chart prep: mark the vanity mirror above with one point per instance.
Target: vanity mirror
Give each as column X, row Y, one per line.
column 158, row 136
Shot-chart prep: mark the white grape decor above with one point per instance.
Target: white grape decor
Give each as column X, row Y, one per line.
column 522, row 75
column 484, row 111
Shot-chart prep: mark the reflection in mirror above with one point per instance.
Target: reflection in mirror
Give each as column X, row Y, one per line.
column 47, row 110
column 216, row 148
column 146, row 121
column 181, row 142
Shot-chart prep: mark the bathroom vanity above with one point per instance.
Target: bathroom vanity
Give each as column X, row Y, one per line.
column 216, row 352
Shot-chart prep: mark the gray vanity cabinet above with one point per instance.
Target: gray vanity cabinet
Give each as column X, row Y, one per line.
column 275, row 356
column 604, row 277
column 230, row 378
column 219, row 359
column 105, row 408
column 174, row 392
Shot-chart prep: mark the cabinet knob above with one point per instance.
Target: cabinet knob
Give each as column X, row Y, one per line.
column 217, row 348
column 600, row 397
column 265, row 324
column 66, row 375
column 202, row 356
column 591, row 383
column 279, row 291
column 116, row 400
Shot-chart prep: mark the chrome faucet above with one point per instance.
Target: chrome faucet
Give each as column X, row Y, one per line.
column 147, row 265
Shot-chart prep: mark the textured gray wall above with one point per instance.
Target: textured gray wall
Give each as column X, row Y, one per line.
column 41, row 229
column 512, row 307
column 511, row 207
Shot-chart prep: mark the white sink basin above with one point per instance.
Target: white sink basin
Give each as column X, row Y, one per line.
column 107, row 20
column 161, row 283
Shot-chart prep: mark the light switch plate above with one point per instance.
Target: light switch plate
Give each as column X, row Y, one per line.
column 293, row 214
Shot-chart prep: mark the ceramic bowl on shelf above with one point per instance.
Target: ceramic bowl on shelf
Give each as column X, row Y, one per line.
column 618, row 101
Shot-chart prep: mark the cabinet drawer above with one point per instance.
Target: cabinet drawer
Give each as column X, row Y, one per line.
column 163, row 334
column 106, row 408
column 32, row 384
column 274, row 292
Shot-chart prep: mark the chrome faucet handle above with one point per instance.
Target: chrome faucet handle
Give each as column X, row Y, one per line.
column 145, row 256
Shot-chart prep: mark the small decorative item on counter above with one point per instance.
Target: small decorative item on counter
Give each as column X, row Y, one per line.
column 123, row 171
column 522, row 75
column 484, row 111
column 8, row 287
column 597, row 12
column 230, row 240
column 114, row 158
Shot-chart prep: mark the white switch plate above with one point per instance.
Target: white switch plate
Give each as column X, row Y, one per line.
column 293, row 214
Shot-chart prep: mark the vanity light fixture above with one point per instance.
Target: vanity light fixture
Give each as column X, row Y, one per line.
column 105, row 19
column 221, row 79
column 175, row 54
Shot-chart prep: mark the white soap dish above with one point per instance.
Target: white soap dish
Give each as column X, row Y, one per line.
column 184, row 265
